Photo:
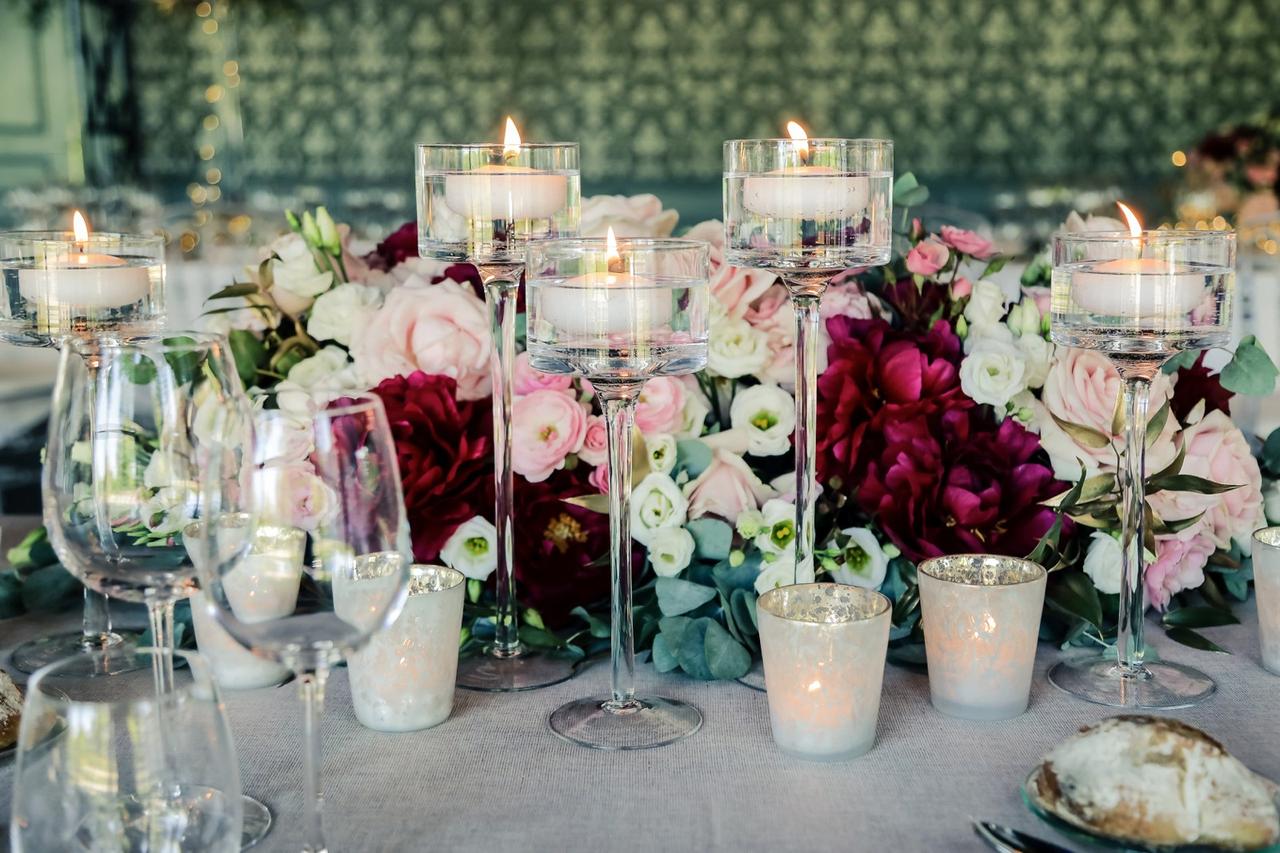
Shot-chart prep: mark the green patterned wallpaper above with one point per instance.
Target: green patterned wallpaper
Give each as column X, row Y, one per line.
column 984, row 92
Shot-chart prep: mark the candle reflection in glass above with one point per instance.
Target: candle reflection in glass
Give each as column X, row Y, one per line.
column 824, row 649
column 981, row 617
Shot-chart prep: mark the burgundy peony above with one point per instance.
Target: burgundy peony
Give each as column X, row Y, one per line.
column 956, row 483
column 399, row 245
column 1196, row 383
column 444, row 448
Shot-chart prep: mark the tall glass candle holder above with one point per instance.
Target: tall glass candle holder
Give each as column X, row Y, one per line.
column 1139, row 297
column 619, row 314
column 482, row 203
column 79, row 283
column 1266, row 584
column 807, row 209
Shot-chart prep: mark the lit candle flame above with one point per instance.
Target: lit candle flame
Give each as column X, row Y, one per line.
column 801, row 138
column 511, row 140
column 612, row 257
column 1135, row 227
column 79, row 227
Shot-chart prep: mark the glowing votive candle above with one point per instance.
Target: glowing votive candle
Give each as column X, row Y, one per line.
column 504, row 192
column 806, row 192
column 981, row 617
column 824, row 649
column 1266, row 583
column 85, row 280
column 605, row 302
column 403, row 679
column 1143, row 288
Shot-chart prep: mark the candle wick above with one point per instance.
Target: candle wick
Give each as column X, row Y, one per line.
column 615, row 265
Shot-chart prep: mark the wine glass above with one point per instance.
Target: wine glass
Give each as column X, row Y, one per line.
column 1139, row 298
column 619, row 313
column 481, row 203
column 807, row 209
column 77, row 283
column 306, row 551
column 109, row 765
column 135, row 422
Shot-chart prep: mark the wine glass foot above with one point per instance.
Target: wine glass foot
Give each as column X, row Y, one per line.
column 118, row 657
column 643, row 723
column 754, row 678
column 1161, row 684
column 257, row 822
column 528, row 670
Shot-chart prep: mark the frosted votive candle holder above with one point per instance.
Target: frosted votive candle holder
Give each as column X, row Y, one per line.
column 824, row 649
column 403, row 679
column 1266, row 583
column 981, row 618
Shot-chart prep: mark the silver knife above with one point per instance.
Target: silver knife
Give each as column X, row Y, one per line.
column 1004, row 839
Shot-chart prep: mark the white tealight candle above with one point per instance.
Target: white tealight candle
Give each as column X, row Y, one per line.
column 806, row 192
column 495, row 192
column 600, row 304
column 1143, row 288
column 85, row 281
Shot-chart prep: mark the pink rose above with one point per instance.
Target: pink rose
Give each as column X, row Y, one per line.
column 711, row 231
column 967, row 242
column 846, row 300
column 727, row 488
column 291, row 494
column 599, row 478
column 436, row 328
column 927, row 257
column 1217, row 451
column 661, row 405
column 1042, row 296
column 595, row 443
column 737, row 288
column 774, row 315
column 1179, row 565
column 961, row 287
column 546, row 426
column 1082, row 388
column 527, row 380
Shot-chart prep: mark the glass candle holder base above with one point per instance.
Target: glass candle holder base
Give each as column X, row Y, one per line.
column 257, row 822
column 643, row 723
column 1099, row 679
column 822, row 757
column 755, row 677
column 985, row 713
column 29, row 657
column 528, row 670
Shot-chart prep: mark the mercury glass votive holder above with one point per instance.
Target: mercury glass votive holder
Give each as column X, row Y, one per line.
column 403, row 679
column 1266, row 583
column 981, row 617
column 824, row 650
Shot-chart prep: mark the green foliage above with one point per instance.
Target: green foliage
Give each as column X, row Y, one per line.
column 677, row 596
column 1250, row 370
column 712, row 538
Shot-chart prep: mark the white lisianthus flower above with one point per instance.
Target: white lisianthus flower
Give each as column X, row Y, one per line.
column 171, row 508
column 986, row 304
column 1076, row 224
column 768, row 415
column 693, row 419
column 987, row 332
column 294, row 271
column 994, row 373
column 1103, row 562
column 159, row 471
column 1024, row 318
column 472, row 549
column 670, row 551
column 1038, row 355
column 628, row 216
column 736, row 349
column 656, row 504
column 338, row 313
column 750, row 523
column 661, row 450
column 865, row 562
column 256, row 316
column 780, row 570
column 779, row 531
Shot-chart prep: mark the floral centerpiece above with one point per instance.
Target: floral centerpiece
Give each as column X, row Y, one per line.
column 947, row 420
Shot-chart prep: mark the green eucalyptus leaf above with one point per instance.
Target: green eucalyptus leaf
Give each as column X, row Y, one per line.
column 674, row 627
column 1193, row 639
column 693, row 456
column 1081, row 434
column 692, row 653
column 49, row 589
column 596, row 626
column 664, row 658
column 1250, row 370
column 539, row 637
column 10, row 596
column 743, row 604
column 727, row 659
column 32, row 552
column 1271, row 452
column 907, row 191
column 1186, row 358
column 729, row 578
column 1199, row 616
column 677, row 596
column 712, row 538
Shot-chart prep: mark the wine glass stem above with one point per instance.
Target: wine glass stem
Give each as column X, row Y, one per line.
column 1133, row 602
column 97, row 620
column 160, row 615
column 311, row 691
column 500, row 294
column 619, row 401
column 807, row 307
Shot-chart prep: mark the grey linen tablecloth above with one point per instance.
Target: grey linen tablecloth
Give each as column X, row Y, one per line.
column 493, row 777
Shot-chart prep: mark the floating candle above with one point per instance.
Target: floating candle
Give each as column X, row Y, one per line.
column 83, row 279
column 609, row 302
column 805, row 191
column 506, row 192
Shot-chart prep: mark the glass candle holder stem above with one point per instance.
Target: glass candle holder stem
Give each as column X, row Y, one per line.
column 160, row 617
column 311, row 691
column 1130, row 649
column 501, row 289
column 619, row 401
column 806, row 298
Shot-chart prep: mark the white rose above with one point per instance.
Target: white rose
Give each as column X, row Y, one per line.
column 986, row 304
column 768, row 416
column 993, row 373
column 661, row 449
column 736, row 348
column 628, row 216
column 779, row 531
column 780, row 570
column 656, row 504
column 316, row 380
column 1038, row 358
column 472, row 549
column 670, row 551
column 1103, row 562
column 294, row 271
column 337, row 314
column 865, row 562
